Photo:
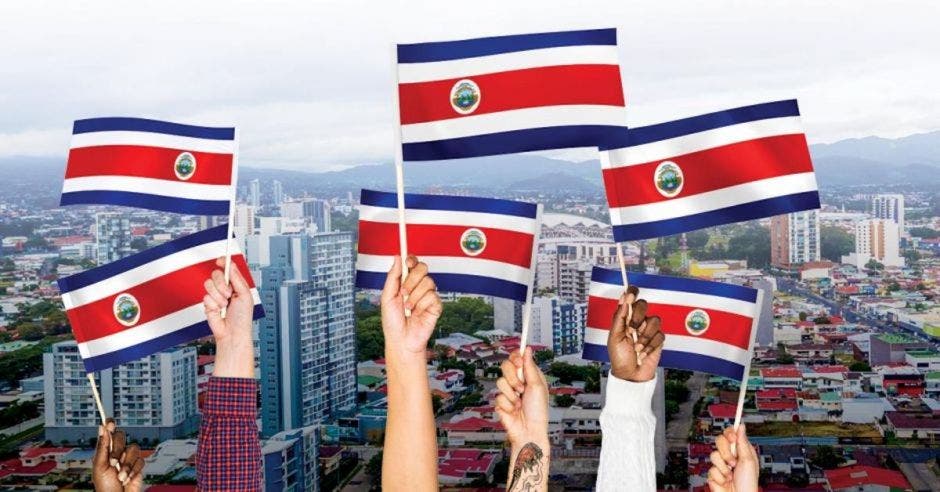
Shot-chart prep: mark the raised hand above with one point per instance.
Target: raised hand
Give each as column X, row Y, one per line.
column 408, row 335
column 117, row 467
column 733, row 470
column 623, row 351
column 233, row 340
column 522, row 406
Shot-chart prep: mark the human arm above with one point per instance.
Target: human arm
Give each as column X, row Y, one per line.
column 228, row 454
column 522, row 406
column 117, row 467
column 627, row 420
column 409, row 460
column 735, row 467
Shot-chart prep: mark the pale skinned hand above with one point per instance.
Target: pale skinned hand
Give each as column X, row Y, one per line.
column 522, row 405
column 407, row 336
column 623, row 351
column 732, row 472
column 233, row 338
column 117, row 466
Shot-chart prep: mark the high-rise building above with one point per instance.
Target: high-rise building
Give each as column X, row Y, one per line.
column 152, row 398
column 574, row 280
column 254, row 193
column 889, row 206
column 765, row 322
column 315, row 211
column 113, row 232
column 507, row 315
column 794, row 239
column 558, row 324
column 278, row 191
column 307, row 340
column 876, row 239
column 291, row 460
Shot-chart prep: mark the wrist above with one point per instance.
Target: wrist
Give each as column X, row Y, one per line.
column 234, row 358
column 540, row 440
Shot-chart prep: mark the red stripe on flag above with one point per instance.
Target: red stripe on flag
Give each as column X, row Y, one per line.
column 724, row 327
column 157, row 297
column 711, row 169
column 146, row 162
column 516, row 89
column 381, row 238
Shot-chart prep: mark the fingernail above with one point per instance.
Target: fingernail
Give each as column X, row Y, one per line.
column 122, row 476
column 623, row 299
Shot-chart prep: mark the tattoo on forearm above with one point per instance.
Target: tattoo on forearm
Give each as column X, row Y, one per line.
column 528, row 473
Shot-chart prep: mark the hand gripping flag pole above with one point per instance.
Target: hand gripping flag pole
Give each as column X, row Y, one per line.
column 742, row 393
column 399, row 173
column 527, row 309
column 231, row 218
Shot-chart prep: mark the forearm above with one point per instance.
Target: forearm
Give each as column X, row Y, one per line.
column 228, row 454
column 528, row 465
column 409, row 459
column 628, row 427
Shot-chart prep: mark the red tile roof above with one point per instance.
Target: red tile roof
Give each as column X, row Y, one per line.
column 780, row 372
column 776, row 406
column 776, row 393
column 854, row 476
column 38, row 451
column 913, row 421
column 830, row 369
column 722, row 410
column 473, row 424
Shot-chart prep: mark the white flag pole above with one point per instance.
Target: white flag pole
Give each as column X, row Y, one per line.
column 605, row 163
column 527, row 309
column 94, row 392
column 399, row 172
column 231, row 217
column 742, row 394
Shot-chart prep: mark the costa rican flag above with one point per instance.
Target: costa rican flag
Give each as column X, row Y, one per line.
column 471, row 245
column 150, row 164
column 718, row 168
column 709, row 326
column 147, row 302
column 507, row 94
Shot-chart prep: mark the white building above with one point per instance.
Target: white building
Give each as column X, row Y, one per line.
column 558, row 324
column 877, row 239
column 794, row 238
column 278, row 191
column 254, row 193
column 889, row 206
column 113, row 232
column 151, row 398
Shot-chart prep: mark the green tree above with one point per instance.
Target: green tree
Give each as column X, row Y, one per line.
column 543, row 356
column 752, row 243
column 860, row 366
column 676, row 391
column 834, row 243
column 894, row 287
column 465, row 315
column 696, row 240
column 924, row 232
column 30, row 331
column 374, row 470
column 564, row 401
column 874, row 264
column 827, row 458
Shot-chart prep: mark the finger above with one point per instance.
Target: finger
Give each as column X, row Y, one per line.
column 415, row 275
column 618, row 326
column 745, row 450
column 102, row 453
column 424, row 286
column 239, row 283
column 652, row 336
column 714, row 475
column 724, row 449
column 136, row 469
column 131, row 454
column 655, row 346
column 639, row 313
column 506, row 389
column 119, row 441
column 411, row 261
column 719, row 463
column 218, row 279
column 505, row 404
column 110, row 425
column 506, row 417
column 392, row 281
column 213, row 292
column 430, row 304
column 509, row 373
column 530, row 370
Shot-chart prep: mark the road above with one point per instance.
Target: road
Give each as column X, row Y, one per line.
column 677, row 430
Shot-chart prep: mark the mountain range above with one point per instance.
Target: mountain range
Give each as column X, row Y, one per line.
column 877, row 161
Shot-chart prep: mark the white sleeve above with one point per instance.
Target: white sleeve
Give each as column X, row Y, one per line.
column 628, row 460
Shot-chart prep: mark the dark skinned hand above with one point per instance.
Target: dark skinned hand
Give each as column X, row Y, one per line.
column 629, row 360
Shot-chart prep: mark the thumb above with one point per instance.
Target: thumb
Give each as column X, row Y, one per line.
column 392, row 281
column 103, row 449
column 529, row 369
column 744, row 448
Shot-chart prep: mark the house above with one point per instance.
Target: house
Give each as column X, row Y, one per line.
column 864, row 408
column 811, row 352
column 580, row 424
column 330, row 458
column 923, row 360
column 473, row 430
column 721, row 415
column 825, row 377
column 866, row 479
column 783, row 459
column 923, row 426
column 782, row 377
column 463, row 466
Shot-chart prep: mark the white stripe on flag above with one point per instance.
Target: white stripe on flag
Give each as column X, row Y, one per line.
column 678, row 298
column 148, row 271
column 515, row 119
column 149, row 186
column 695, row 142
column 504, row 62
column 148, row 331
column 713, row 200
column 683, row 343
column 451, row 264
column 149, row 139
column 448, row 217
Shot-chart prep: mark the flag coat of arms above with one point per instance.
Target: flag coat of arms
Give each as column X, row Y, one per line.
column 718, row 168
column 471, row 245
column 147, row 302
column 509, row 94
column 709, row 326
column 150, row 164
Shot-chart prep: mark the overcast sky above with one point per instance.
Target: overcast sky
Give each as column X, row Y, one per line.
column 309, row 84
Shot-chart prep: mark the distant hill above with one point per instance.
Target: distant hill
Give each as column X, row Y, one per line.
column 921, row 148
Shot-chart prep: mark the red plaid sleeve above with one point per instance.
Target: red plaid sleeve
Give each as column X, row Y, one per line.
column 228, row 454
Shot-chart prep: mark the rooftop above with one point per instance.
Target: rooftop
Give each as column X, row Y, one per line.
column 857, row 476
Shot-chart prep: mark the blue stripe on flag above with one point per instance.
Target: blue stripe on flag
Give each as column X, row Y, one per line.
column 123, row 124
column 450, row 203
column 769, row 207
column 143, row 200
column 117, row 267
column 512, row 142
column 671, row 129
column 150, row 347
column 678, row 284
column 599, row 353
column 454, row 282
column 702, row 363
column 469, row 48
